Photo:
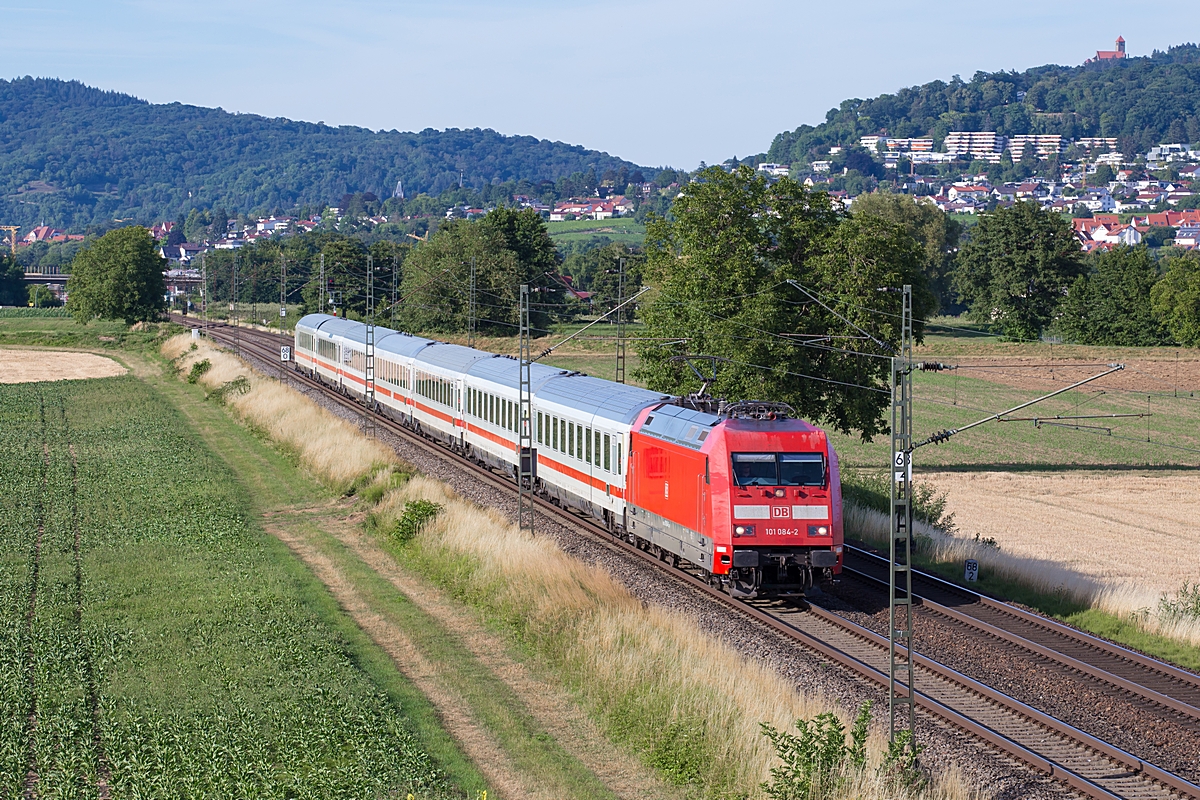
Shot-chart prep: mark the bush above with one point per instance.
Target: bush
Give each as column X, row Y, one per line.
column 818, row 757
column 1184, row 605
column 198, row 369
column 417, row 514
column 871, row 490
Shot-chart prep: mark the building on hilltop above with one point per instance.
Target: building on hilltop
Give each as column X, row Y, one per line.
column 1110, row 55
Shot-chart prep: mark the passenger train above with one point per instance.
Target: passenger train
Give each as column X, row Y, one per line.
column 743, row 492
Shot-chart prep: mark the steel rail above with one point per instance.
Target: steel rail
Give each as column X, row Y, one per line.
column 1174, row 688
column 1147, row 774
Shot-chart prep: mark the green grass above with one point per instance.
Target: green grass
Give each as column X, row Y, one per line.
column 221, row 666
column 492, row 702
column 57, row 331
column 950, row 400
column 622, row 224
column 587, row 232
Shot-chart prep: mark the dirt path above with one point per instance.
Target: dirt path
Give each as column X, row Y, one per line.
column 491, row 759
column 550, row 705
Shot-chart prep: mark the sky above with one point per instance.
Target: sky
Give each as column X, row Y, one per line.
column 657, row 82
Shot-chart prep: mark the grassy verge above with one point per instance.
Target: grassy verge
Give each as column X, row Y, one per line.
column 218, row 666
column 689, row 705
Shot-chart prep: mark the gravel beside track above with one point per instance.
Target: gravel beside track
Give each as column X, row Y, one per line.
column 1166, row 738
column 1001, row 777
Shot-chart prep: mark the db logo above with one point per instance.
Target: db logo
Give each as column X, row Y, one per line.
column 781, row 512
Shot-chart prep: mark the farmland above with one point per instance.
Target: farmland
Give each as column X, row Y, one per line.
column 155, row 641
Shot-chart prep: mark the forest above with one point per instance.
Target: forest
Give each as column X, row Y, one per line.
column 75, row 156
column 1141, row 101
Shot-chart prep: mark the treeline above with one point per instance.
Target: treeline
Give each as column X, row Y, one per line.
column 1140, row 101
column 75, row 156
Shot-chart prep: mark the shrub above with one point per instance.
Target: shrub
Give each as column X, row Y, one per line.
column 417, row 514
column 817, row 757
column 198, row 369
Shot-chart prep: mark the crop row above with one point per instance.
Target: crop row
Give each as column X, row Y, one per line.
column 174, row 653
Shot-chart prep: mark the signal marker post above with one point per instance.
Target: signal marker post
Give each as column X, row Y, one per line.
column 900, row 572
column 526, row 455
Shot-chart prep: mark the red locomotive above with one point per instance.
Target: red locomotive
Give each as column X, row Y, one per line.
column 748, row 494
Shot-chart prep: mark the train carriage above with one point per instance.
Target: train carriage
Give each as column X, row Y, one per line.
column 743, row 492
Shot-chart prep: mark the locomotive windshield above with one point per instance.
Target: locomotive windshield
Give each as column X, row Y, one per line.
column 779, row 469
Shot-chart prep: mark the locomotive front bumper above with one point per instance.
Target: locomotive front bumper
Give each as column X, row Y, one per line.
column 816, row 558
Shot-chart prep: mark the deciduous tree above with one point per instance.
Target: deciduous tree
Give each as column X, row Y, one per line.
column 1016, row 267
column 119, row 276
column 934, row 230
column 1111, row 304
column 1176, row 299
column 721, row 265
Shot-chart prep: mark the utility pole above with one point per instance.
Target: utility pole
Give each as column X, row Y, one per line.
column 526, row 455
column 369, row 388
column 620, row 378
column 282, row 315
column 324, row 288
column 900, row 550
column 471, row 308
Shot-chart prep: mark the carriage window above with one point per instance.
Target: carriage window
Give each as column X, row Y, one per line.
column 588, row 437
column 554, row 430
column 579, row 442
column 607, row 454
column 618, row 458
column 539, row 427
column 571, row 439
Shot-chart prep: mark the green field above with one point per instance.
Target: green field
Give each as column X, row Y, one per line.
column 607, row 231
column 155, row 640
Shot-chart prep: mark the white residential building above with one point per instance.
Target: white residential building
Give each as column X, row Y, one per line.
column 775, row 170
column 976, row 145
column 1041, row 145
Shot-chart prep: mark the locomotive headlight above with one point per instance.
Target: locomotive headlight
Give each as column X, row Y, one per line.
column 743, row 530
column 780, row 492
column 818, row 530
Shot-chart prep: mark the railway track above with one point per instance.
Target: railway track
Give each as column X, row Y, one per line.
column 1090, row 766
column 1172, row 690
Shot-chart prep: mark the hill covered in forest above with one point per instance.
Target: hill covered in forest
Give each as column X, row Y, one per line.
column 72, row 155
column 1141, row 101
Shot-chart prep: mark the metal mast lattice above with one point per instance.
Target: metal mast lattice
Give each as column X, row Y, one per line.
column 620, row 377
column 471, row 308
column 282, row 315
column 900, row 573
column 527, row 456
column 369, row 387
column 237, row 333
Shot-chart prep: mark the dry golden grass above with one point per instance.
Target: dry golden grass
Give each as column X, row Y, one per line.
column 18, row 365
column 615, row 651
column 1115, row 541
column 331, row 448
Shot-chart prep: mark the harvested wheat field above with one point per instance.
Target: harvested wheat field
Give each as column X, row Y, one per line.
column 1129, row 527
column 32, row 366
